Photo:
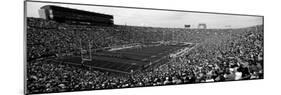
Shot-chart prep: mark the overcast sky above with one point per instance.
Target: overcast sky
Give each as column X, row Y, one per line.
column 156, row 18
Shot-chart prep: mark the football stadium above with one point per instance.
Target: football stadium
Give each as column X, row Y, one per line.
column 72, row 50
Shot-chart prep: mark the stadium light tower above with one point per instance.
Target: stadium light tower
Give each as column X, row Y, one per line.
column 173, row 36
column 202, row 26
column 163, row 36
column 256, row 28
column 143, row 40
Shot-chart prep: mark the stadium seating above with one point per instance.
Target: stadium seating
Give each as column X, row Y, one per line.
column 219, row 55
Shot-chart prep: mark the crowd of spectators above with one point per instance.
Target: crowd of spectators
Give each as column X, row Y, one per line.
column 219, row 55
column 48, row 38
column 236, row 55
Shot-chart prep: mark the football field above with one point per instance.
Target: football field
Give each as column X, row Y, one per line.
column 129, row 59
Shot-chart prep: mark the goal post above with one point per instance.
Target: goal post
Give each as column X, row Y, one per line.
column 85, row 50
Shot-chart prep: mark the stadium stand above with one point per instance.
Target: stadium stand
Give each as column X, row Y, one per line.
column 219, row 55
